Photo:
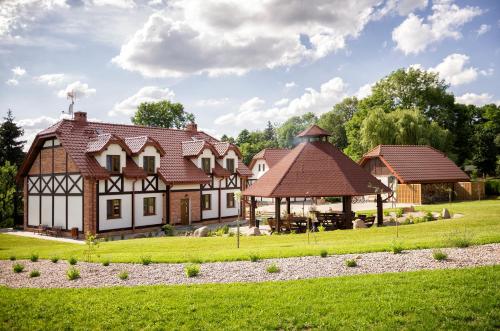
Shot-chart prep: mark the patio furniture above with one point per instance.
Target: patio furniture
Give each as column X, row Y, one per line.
column 41, row 229
column 369, row 221
column 55, row 231
column 272, row 224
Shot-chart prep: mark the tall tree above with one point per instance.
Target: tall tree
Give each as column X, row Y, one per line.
column 11, row 145
column 7, row 194
column 288, row 131
column 269, row 132
column 164, row 114
column 226, row 138
column 334, row 121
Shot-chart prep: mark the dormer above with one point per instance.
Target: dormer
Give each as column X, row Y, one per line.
column 228, row 156
column 201, row 153
column 110, row 151
column 146, row 153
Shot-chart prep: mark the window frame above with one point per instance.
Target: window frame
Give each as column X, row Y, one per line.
column 203, row 197
column 203, row 160
column 110, row 208
column 145, row 209
column 233, row 200
column 231, row 160
column 150, row 158
column 111, row 162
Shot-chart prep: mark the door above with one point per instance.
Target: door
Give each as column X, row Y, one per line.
column 185, row 211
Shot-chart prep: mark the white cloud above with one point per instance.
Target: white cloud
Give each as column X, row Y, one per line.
column 234, row 37
column 282, row 102
column 50, row 79
column 414, row 35
column 312, row 100
column 18, row 71
column 146, row 94
column 115, row 3
column 80, row 90
column 12, row 82
column 401, row 7
column 290, row 85
column 32, row 126
column 252, row 104
column 211, row 102
column 483, row 29
column 453, row 70
column 475, row 99
column 364, row 91
column 487, row 72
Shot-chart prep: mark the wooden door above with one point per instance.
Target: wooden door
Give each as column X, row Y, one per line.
column 185, row 211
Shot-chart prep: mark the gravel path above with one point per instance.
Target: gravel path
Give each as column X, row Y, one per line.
column 53, row 275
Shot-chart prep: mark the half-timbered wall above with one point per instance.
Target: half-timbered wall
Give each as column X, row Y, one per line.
column 54, row 189
column 218, row 189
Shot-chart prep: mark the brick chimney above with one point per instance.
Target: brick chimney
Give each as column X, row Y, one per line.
column 80, row 116
column 192, row 127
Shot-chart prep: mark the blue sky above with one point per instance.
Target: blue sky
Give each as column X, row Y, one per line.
column 234, row 64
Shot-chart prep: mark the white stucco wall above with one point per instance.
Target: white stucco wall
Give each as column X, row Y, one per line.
column 33, row 210
column 75, row 214
column 225, row 212
column 60, row 211
column 207, row 153
column 148, row 151
column 113, row 149
column 126, row 212
column 230, row 155
column 255, row 169
column 47, row 210
column 214, row 212
column 140, row 219
column 180, row 187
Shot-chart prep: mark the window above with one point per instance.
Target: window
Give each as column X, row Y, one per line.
column 205, row 164
column 230, row 165
column 206, row 202
column 114, row 208
column 148, row 163
column 113, row 163
column 259, row 167
column 230, row 203
column 149, row 206
column 263, row 167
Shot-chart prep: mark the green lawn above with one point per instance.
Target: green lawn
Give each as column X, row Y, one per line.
column 481, row 222
column 466, row 299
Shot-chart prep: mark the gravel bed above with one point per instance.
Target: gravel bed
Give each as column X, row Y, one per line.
column 53, row 275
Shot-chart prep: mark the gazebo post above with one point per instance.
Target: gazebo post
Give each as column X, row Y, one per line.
column 288, row 206
column 380, row 210
column 347, row 209
column 277, row 213
column 252, row 211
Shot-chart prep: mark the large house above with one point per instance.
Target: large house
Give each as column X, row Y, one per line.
column 419, row 174
column 113, row 178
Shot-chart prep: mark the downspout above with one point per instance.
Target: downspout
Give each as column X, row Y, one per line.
column 220, row 205
column 133, row 205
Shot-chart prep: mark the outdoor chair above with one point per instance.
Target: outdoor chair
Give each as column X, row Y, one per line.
column 272, row 224
column 369, row 221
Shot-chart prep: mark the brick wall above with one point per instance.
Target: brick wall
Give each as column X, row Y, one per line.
column 59, row 162
column 175, row 205
column 89, row 206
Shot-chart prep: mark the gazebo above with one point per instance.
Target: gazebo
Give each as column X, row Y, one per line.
column 315, row 168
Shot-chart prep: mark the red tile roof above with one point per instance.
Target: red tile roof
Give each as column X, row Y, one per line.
column 270, row 155
column 137, row 144
column 132, row 170
column 417, row 164
column 315, row 169
column 314, row 131
column 219, row 171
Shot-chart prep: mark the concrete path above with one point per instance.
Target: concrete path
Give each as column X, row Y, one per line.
column 29, row 234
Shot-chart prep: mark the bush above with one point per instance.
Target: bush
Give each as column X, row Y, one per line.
column 34, row 257
column 192, row 270
column 399, row 212
column 386, row 213
column 396, row 248
column 409, row 221
column 146, row 260
column 18, row 268
column 54, row 259
column 123, row 275
column 72, row 260
column 105, row 263
column 34, row 273
column 273, row 268
column 12, row 258
column 72, row 273
column 351, row 263
column 439, row 255
column 323, row 253
column 428, row 217
column 254, row 257
column 168, row 230
column 417, row 220
column 492, row 187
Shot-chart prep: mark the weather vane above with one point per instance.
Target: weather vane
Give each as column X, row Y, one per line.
column 72, row 96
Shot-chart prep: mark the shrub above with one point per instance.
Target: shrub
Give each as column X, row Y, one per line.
column 123, row 275
column 460, row 240
column 168, row 230
column 386, row 213
column 399, row 212
column 34, row 257
column 72, row 273
column 34, row 273
column 54, row 259
column 350, row 263
column 254, row 257
column 12, row 258
column 323, row 253
column 18, row 268
column 428, row 217
column 396, row 248
column 196, row 260
column 72, row 260
column 105, row 263
column 492, row 187
column 417, row 220
column 146, row 260
column 321, row 228
column 439, row 255
column 273, row 268
column 192, row 270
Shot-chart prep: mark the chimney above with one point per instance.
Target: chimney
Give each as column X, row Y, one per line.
column 80, row 116
column 192, row 127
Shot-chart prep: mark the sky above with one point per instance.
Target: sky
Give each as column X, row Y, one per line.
column 234, row 64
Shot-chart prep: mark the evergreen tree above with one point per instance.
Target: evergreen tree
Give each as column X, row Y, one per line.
column 11, row 147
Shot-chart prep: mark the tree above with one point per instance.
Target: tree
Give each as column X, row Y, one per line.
column 243, row 137
column 485, row 150
column 11, row 146
column 288, row 131
column 7, row 194
column 226, row 138
column 164, row 114
column 334, row 121
column 270, row 132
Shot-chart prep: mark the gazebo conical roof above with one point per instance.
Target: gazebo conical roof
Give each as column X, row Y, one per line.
column 315, row 169
column 314, row 131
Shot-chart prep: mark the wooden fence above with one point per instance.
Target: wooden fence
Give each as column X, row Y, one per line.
column 469, row 190
column 413, row 193
column 409, row 193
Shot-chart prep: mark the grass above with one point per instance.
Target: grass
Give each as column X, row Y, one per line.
column 192, row 270
column 105, row 263
column 396, row 247
column 273, row 268
column 72, row 260
column 253, row 257
column 34, row 273
column 351, row 263
column 17, row 268
column 34, row 257
column 481, row 220
column 426, row 300
column 54, row 259
column 439, row 255
column 123, row 275
column 323, row 253
column 72, row 273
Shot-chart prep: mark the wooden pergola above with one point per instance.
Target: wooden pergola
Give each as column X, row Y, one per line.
column 313, row 169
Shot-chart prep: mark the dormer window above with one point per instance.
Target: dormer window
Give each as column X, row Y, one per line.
column 205, row 164
column 113, row 163
column 230, row 165
column 148, row 163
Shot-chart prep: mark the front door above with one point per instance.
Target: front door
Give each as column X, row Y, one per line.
column 185, row 211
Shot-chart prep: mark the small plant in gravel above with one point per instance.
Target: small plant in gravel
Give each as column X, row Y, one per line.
column 72, row 273
column 12, row 258
column 254, row 257
column 54, row 259
column 72, row 260
column 439, row 255
column 92, row 243
column 34, row 273
column 123, row 275
column 18, row 268
column 192, row 270
column 396, row 247
column 105, row 263
column 323, row 253
column 351, row 263
column 34, row 257
column 273, row 268
column 196, row 260
column 146, row 260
